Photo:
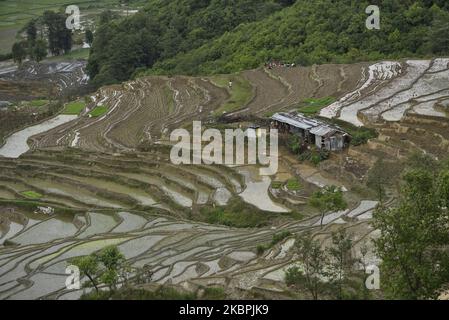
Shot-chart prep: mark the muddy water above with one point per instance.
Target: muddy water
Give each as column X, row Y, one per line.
column 173, row 249
column 172, row 192
column 16, row 144
column 46, row 231
column 14, row 228
column 256, row 192
column 139, row 195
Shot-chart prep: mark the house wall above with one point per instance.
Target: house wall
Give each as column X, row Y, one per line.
column 333, row 143
column 319, row 141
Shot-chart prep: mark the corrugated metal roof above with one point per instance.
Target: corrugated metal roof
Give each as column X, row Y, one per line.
column 298, row 120
column 322, row 131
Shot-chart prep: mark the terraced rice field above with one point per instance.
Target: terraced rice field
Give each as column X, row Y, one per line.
column 175, row 250
column 392, row 90
column 36, row 80
column 109, row 178
column 83, row 180
column 147, row 109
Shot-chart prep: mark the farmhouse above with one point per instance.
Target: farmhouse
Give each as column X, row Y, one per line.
column 311, row 131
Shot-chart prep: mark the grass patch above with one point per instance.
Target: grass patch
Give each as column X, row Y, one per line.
column 163, row 293
column 313, row 106
column 236, row 214
column 39, row 103
column 278, row 237
column 74, row 107
column 82, row 53
column 276, row 184
column 98, row 111
column 32, row 194
column 241, row 92
column 214, row 293
column 293, row 185
column 170, row 99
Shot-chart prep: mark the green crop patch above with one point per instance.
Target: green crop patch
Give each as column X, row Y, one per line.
column 74, row 107
column 276, row 185
column 39, row 103
column 293, row 185
column 240, row 92
column 32, row 194
column 98, row 111
column 313, row 106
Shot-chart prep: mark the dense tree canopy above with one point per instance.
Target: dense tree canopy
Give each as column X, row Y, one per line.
column 19, row 51
column 212, row 36
column 59, row 37
column 322, row 31
column 164, row 29
column 414, row 237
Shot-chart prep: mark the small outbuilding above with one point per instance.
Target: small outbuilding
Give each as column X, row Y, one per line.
column 311, row 131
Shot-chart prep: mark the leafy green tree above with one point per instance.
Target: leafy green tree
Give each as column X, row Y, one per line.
column 126, row 4
column 39, row 50
column 105, row 267
column 286, row 2
column 311, row 275
column 113, row 261
column 59, row 37
column 423, row 161
column 414, row 238
column 88, row 267
column 19, row 51
column 438, row 35
column 341, row 261
column 31, row 31
column 378, row 179
column 111, row 257
column 107, row 16
column 89, row 37
column 328, row 199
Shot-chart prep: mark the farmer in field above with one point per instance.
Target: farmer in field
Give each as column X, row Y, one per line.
column 230, row 84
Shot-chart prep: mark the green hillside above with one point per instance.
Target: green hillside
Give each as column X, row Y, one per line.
column 209, row 37
column 323, row 31
column 164, row 29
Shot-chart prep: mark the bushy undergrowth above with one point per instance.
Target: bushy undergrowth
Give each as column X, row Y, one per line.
column 162, row 293
column 236, row 214
column 360, row 135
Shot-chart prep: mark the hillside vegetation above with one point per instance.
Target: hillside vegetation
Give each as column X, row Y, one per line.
column 324, row 31
column 163, row 29
column 209, row 37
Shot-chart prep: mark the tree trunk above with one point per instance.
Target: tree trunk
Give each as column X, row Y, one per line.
column 93, row 282
column 322, row 218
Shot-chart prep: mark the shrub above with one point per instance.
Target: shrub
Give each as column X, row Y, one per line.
column 260, row 249
column 293, row 185
column 278, row 237
column 214, row 293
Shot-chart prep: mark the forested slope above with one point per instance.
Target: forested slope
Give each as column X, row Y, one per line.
column 207, row 37
column 164, row 29
column 323, row 31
